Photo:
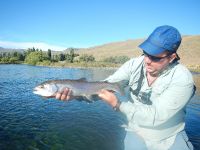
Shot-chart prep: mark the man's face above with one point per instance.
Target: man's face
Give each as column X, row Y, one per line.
column 155, row 66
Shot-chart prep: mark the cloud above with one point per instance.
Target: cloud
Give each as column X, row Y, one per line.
column 25, row 45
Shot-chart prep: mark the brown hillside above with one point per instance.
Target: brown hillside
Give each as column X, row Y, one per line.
column 189, row 50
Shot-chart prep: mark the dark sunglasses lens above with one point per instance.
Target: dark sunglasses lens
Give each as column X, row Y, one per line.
column 155, row 59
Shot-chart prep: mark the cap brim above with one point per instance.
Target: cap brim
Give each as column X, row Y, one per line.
column 150, row 48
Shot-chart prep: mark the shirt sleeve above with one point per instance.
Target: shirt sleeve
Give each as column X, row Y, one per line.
column 123, row 73
column 171, row 101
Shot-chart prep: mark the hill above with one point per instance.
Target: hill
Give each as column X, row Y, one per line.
column 10, row 50
column 189, row 51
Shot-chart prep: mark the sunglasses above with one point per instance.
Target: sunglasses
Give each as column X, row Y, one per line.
column 154, row 58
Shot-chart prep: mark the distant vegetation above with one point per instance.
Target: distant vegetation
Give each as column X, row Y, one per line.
column 12, row 57
column 107, row 55
column 68, row 58
column 116, row 59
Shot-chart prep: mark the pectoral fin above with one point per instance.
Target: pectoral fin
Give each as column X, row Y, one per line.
column 91, row 98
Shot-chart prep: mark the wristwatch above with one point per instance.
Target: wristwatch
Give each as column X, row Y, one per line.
column 116, row 107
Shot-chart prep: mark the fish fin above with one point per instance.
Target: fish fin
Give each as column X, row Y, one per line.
column 84, row 98
column 44, row 97
column 79, row 98
column 90, row 98
column 121, row 85
column 82, row 79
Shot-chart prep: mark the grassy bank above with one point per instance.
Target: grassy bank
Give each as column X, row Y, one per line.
column 80, row 64
column 194, row 68
column 97, row 64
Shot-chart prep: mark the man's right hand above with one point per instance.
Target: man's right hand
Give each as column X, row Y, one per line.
column 65, row 95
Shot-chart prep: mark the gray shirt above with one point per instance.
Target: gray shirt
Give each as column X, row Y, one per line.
column 155, row 112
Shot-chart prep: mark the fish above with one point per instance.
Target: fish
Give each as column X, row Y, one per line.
column 88, row 90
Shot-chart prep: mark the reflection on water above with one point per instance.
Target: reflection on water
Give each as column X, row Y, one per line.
column 197, row 83
column 30, row 122
column 193, row 115
column 193, row 120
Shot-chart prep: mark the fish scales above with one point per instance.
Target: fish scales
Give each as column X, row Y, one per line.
column 78, row 87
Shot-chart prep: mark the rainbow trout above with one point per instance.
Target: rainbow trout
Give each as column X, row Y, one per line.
column 80, row 88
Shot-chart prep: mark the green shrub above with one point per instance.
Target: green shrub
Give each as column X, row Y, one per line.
column 14, row 60
column 33, row 57
column 116, row 59
column 5, row 60
column 86, row 58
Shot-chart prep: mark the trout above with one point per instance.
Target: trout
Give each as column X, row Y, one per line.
column 80, row 88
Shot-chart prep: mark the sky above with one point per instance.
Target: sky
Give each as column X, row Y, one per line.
column 60, row 24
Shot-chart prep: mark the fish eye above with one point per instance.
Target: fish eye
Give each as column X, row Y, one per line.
column 45, row 86
column 41, row 86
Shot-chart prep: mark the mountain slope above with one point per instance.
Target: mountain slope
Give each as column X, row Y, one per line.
column 189, row 51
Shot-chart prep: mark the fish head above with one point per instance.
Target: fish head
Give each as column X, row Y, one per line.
column 46, row 90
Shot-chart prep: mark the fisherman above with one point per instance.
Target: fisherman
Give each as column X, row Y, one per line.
column 160, row 88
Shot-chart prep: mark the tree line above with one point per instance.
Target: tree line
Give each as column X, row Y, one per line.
column 35, row 56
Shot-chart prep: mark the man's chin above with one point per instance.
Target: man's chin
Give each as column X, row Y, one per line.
column 152, row 72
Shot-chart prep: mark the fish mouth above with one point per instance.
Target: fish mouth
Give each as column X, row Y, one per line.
column 35, row 91
column 43, row 93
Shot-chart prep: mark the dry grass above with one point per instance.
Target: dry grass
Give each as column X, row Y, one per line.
column 189, row 50
column 126, row 48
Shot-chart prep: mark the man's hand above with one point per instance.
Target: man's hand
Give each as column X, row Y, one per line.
column 108, row 97
column 65, row 95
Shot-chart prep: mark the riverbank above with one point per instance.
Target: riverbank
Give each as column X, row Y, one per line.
column 96, row 64
column 193, row 68
column 80, row 64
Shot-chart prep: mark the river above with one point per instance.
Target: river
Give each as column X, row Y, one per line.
column 29, row 122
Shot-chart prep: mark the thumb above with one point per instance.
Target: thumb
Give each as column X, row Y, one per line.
column 102, row 93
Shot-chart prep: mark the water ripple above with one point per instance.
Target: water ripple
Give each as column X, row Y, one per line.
column 30, row 122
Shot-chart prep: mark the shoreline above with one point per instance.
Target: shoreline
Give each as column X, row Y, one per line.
column 192, row 68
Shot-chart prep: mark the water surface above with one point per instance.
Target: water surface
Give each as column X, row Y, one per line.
column 28, row 122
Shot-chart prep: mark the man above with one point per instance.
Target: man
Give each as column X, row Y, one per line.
column 160, row 88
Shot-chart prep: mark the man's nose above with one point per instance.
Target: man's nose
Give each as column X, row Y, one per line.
column 147, row 60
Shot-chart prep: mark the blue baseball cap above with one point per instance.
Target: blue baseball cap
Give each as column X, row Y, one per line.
column 161, row 39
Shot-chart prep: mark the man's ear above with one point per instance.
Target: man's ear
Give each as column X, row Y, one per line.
column 173, row 57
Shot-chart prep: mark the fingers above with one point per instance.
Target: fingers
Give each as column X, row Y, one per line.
column 66, row 94
column 58, row 95
column 108, row 96
column 103, row 94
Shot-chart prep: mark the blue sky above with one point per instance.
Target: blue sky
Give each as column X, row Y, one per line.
column 59, row 24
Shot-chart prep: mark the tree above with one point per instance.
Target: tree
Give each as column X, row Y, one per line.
column 33, row 58
column 86, row 58
column 14, row 60
column 49, row 54
column 61, row 57
column 72, row 55
column 20, row 56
